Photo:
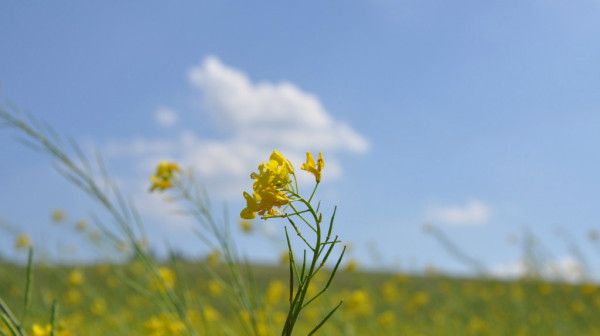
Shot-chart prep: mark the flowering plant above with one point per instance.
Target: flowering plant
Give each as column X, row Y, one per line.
column 275, row 191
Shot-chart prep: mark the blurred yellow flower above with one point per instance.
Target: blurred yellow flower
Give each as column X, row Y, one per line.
column 284, row 258
column 213, row 258
column 72, row 297
column 58, row 216
column 81, row 225
column 22, row 242
column 164, row 175
column 166, row 280
column 214, row 288
column 164, row 324
column 75, row 278
column 352, row 266
column 313, row 168
column 246, row 226
column 98, row 307
column 38, row 330
column 420, row 299
column 275, row 292
column 46, row 330
column 211, row 314
column 386, row 318
column 359, row 303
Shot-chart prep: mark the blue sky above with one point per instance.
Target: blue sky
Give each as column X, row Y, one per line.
column 481, row 118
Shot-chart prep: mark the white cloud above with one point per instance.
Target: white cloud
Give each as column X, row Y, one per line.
column 255, row 119
column 565, row 268
column 473, row 212
column 165, row 116
column 268, row 113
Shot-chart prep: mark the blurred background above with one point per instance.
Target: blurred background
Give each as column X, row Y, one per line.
column 456, row 135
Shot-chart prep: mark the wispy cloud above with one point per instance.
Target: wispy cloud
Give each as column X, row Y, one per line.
column 474, row 212
column 253, row 118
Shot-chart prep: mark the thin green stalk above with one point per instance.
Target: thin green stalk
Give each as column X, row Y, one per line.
column 28, row 282
column 326, row 318
column 54, row 318
column 9, row 319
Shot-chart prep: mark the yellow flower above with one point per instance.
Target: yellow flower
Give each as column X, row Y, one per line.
column 386, row 318
column 213, row 258
column 72, row 297
column 211, row 314
column 352, row 266
column 164, row 175
column 275, row 292
column 313, row 168
column 165, row 281
column 22, row 241
column 214, row 288
column 98, row 307
column 359, row 303
column 164, row 324
column 246, row 226
column 75, row 278
column 38, row 330
column 284, row 258
column 58, row 216
column 81, row 225
column 270, row 186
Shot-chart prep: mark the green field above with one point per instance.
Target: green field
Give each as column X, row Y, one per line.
column 95, row 300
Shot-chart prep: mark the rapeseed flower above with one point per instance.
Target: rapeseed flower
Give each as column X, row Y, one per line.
column 46, row 330
column 359, row 303
column 211, row 314
column 39, row 330
column 81, row 225
column 58, row 216
column 75, row 278
column 215, row 288
column 72, row 297
column 22, row 241
column 273, row 185
column 165, row 281
column 163, row 179
column 270, row 186
column 275, row 292
column 164, row 324
column 386, row 318
column 98, row 307
column 213, row 258
column 313, row 168
column 246, row 226
column 352, row 266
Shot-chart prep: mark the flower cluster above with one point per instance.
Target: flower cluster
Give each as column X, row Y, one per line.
column 164, row 175
column 270, row 186
column 273, row 184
